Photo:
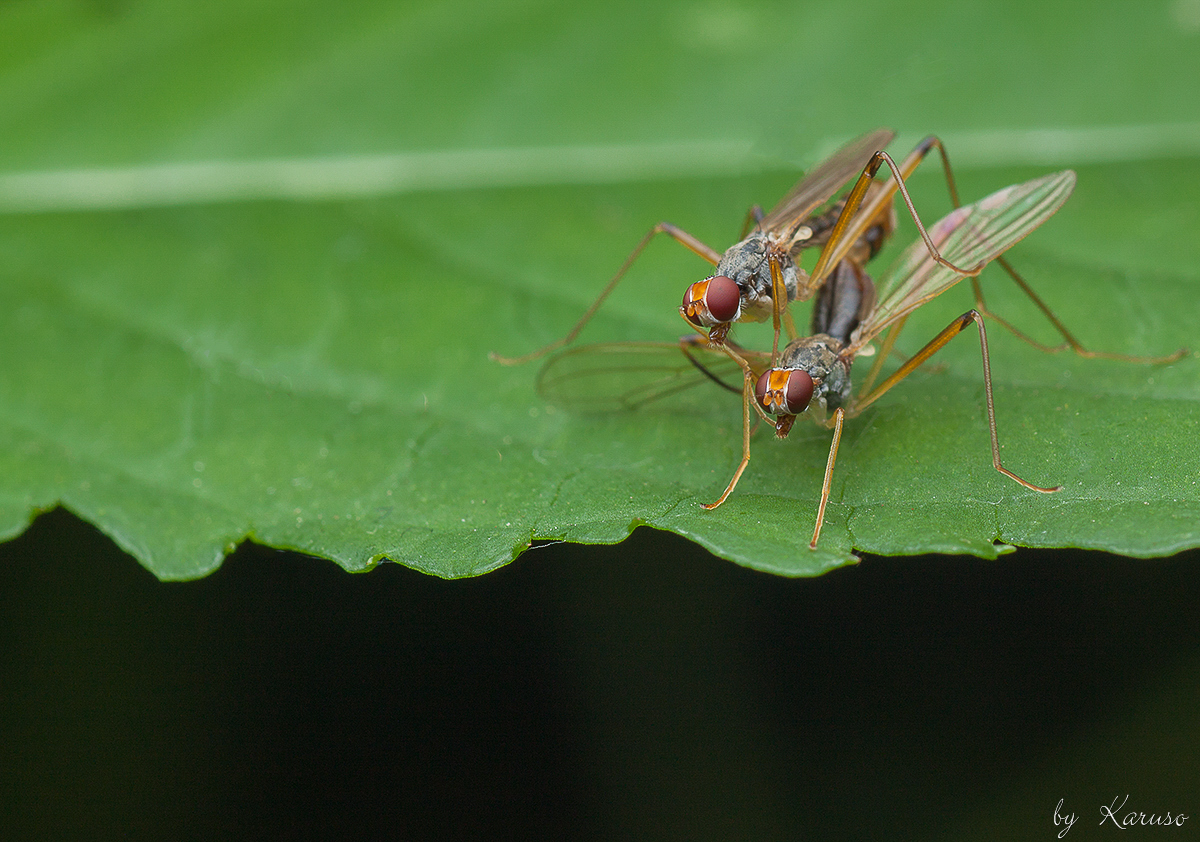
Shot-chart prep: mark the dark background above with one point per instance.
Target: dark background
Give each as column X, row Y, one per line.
column 647, row 690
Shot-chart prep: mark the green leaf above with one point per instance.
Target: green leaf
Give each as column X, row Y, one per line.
column 238, row 304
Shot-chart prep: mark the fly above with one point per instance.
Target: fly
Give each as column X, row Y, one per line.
column 812, row 374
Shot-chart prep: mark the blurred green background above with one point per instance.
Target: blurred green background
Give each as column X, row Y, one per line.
column 646, row 689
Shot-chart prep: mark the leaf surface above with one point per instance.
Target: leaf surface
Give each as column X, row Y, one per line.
column 230, row 312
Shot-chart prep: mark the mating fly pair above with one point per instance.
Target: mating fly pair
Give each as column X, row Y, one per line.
column 758, row 276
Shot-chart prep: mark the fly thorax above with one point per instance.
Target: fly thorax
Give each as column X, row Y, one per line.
column 748, row 265
column 819, row 355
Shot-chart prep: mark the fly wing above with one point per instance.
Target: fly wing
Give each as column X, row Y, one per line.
column 970, row 235
column 621, row 376
column 825, row 179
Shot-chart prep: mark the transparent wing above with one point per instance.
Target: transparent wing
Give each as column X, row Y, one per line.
column 973, row 234
column 620, row 376
column 825, row 179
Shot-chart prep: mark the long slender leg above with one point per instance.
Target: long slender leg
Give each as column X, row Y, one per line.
column 885, row 349
column 936, row 344
column 749, row 378
column 780, row 315
column 778, row 311
column 747, row 392
column 843, row 235
column 678, row 234
column 1069, row 341
column 838, row 416
column 691, row 340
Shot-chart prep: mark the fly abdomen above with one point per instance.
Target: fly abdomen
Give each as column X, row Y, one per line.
column 843, row 301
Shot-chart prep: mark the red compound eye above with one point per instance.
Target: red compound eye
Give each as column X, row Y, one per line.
column 799, row 392
column 711, row 302
column 784, row 390
column 722, row 298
